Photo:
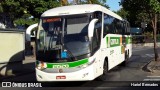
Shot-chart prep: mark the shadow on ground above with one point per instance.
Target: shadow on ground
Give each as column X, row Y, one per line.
column 27, row 68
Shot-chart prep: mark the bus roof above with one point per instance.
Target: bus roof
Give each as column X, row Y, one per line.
column 78, row 9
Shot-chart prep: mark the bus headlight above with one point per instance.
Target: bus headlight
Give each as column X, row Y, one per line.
column 41, row 65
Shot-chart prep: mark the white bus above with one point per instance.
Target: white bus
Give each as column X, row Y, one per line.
column 80, row 43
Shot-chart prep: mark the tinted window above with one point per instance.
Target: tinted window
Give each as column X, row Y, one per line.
column 115, row 26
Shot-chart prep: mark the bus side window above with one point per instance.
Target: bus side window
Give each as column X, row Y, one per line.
column 106, row 25
column 128, row 28
column 115, row 31
column 118, row 27
column 124, row 28
column 121, row 26
column 112, row 29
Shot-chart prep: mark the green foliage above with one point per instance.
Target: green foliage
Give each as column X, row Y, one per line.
column 20, row 10
column 148, row 34
column 25, row 22
column 155, row 5
column 122, row 13
column 141, row 10
column 1, row 8
column 144, row 11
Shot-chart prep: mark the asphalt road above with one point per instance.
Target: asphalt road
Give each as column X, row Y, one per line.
column 132, row 72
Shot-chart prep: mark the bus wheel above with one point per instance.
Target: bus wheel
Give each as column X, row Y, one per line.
column 105, row 71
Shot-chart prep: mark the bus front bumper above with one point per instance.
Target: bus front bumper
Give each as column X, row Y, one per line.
column 85, row 74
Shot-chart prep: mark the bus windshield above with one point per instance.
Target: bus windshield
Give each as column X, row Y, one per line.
column 65, row 33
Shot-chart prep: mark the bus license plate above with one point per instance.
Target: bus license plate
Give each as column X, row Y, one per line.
column 60, row 77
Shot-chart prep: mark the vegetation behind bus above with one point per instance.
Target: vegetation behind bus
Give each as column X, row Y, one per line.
column 27, row 12
column 144, row 11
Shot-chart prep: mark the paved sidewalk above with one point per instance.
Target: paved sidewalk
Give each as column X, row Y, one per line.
column 153, row 66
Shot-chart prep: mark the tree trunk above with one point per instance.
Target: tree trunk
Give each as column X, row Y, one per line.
column 155, row 46
column 154, row 25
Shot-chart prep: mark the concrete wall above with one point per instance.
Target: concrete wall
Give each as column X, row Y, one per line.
column 12, row 50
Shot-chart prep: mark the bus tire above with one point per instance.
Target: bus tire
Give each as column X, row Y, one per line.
column 105, row 71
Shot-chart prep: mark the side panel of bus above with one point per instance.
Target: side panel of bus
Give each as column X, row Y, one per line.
column 112, row 50
column 129, row 45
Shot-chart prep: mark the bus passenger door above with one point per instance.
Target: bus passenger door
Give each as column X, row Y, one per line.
column 96, row 43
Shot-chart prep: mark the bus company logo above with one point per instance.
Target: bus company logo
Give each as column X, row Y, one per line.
column 61, row 66
column 114, row 41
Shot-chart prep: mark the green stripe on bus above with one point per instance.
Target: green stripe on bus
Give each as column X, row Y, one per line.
column 67, row 64
column 107, row 41
column 114, row 41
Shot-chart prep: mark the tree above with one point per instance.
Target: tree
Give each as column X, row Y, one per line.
column 1, row 9
column 122, row 13
column 19, row 11
column 146, row 10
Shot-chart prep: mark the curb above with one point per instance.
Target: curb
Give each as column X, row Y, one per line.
column 152, row 66
column 146, row 68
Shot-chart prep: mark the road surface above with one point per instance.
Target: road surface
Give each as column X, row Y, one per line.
column 132, row 72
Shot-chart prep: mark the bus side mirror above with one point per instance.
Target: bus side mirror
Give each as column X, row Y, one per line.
column 91, row 28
